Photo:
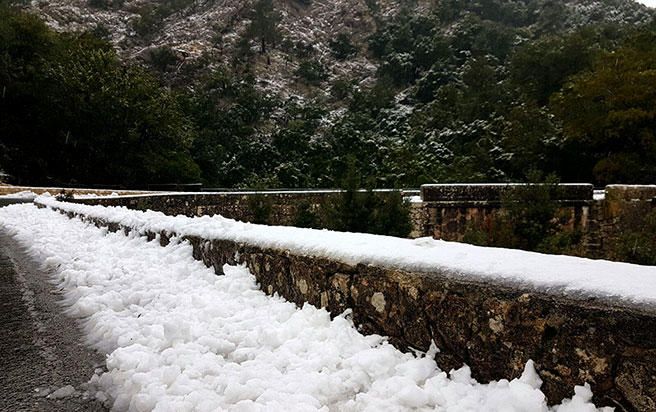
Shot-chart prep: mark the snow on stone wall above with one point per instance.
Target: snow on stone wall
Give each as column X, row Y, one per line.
column 554, row 311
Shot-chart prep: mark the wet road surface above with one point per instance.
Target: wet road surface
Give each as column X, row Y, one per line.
column 41, row 349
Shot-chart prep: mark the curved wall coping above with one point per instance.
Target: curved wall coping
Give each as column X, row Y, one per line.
column 558, row 275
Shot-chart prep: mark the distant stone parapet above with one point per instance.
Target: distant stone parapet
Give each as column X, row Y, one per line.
column 441, row 211
column 493, row 192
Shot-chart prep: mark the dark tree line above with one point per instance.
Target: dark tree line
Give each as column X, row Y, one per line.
column 72, row 112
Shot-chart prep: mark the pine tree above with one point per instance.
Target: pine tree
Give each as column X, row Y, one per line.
column 264, row 24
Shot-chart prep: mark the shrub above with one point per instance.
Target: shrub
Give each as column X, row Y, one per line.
column 341, row 47
column 369, row 212
column 529, row 219
column 306, row 216
column 312, row 71
column 148, row 22
column 106, row 4
column 530, row 209
column 365, row 211
column 637, row 242
column 261, row 208
column 162, row 58
column 341, row 89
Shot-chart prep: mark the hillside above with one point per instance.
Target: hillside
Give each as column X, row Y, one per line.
column 210, row 30
column 310, row 93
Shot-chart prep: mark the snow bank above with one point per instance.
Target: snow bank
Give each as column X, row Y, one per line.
column 180, row 338
column 565, row 275
column 94, row 195
column 25, row 194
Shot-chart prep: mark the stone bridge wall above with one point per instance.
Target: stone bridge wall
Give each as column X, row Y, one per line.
column 280, row 207
column 452, row 209
column 442, row 211
column 489, row 326
column 9, row 189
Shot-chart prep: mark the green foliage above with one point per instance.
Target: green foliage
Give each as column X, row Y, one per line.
column 264, row 24
column 106, row 4
column 540, row 68
column 370, row 212
column 162, row 58
column 341, row 47
column 366, row 211
column 341, row 89
column 529, row 219
column 226, row 110
column 637, row 243
column 147, row 22
column 306, row 216
column 303, row 50
column 151, row 16
column 72, row 112
column 530, row 209
column 261, row 207
column 472, row 91
column 312, row 71
column 611, row 108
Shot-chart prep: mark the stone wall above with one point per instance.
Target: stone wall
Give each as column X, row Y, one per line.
column 612, row 216
column 283, row 206
column 492, row 327
column 277, row 207
column 444, row 211
column 453, row 208
column 9, row 189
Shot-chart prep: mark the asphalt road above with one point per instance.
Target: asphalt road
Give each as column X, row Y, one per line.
column 41, row 349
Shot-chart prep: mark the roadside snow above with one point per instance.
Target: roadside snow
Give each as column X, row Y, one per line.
column 94, row 195
column 63, row 392
column 180, row 338
column 25, row 194
column 564, row 275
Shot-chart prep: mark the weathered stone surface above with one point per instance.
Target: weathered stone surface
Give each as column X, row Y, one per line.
column 281, row 208
column 630, row 192
column 451, row 222
column 446, row 211
column 467, row 192
column 491, row 327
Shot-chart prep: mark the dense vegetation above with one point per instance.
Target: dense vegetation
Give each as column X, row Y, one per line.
column 530, row 218
column 483, row 91
column 71, row 111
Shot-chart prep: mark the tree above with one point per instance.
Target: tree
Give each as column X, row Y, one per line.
column 341, row 47
column 612, row 110
column 72, row 112
column 312, row 71
column 226, row 110
column 540, row 68
column 264, row 24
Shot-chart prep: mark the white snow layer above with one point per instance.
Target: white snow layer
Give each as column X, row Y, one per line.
column 180, row 338
column 566, row 275
column 25, row 194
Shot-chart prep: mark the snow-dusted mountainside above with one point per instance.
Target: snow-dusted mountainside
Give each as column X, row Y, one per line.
column 211, row 29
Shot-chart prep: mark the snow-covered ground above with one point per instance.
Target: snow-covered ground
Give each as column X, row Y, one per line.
column 25, row 194
column 566, row 275
column 178, row 337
